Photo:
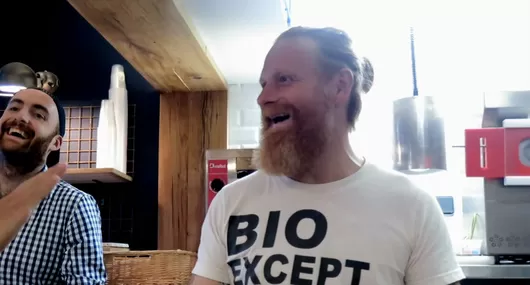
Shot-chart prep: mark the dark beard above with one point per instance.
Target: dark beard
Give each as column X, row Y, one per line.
column 294, row 153
column 26, row 160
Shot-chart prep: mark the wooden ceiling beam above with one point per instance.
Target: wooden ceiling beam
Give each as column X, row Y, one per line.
column 156, row 37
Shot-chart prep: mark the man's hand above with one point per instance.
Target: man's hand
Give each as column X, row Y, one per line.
column 16, row 208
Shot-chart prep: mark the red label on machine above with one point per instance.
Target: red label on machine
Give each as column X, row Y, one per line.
column 217, row 177
column 217, row 166
column 497, row 152
column 485, row 153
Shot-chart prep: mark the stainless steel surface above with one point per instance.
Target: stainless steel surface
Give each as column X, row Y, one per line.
column 232, row 169
column 496, row 271
column 228, row 153
column 506, row 208
column 419, row 135
column 507, row 99
column 505, row 105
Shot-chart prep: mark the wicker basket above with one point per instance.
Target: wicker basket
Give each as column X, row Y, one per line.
column 160, row 267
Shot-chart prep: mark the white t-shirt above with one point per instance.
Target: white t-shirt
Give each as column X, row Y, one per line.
column 373, row 227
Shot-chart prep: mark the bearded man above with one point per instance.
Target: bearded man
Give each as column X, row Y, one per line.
column 61, row 243
column 316, row 212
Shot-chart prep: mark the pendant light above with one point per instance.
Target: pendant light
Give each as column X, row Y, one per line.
column 16, row 76
column 419, row 135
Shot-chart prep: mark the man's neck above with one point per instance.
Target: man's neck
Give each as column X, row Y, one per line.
column 11, row 177
column 336, row 162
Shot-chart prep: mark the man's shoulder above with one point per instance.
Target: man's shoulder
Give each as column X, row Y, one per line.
column 384, row 185
column 67, row 194
column 388, row 179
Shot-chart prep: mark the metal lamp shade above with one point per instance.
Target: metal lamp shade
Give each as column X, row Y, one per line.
column 15, row 76
column 419, row 136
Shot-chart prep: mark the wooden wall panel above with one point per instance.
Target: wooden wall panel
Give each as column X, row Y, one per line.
column 190, row 123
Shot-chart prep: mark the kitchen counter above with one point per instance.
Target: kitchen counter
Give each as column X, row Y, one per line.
column 496, row 271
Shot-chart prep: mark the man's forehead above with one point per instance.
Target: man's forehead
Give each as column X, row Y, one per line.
column 296, row 54
column 33, row 97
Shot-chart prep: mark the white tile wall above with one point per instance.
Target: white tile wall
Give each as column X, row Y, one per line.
column 243, row 116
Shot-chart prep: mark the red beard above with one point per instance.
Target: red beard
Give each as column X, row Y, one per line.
column 293, row 152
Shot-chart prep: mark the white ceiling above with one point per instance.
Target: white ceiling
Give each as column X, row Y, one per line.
column 237, row 33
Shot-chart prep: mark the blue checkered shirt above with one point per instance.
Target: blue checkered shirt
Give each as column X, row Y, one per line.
column 60, row 244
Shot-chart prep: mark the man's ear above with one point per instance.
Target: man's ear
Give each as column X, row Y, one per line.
column 56, row 143
column 343, row 82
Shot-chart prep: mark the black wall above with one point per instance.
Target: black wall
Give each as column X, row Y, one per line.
column 51, row 35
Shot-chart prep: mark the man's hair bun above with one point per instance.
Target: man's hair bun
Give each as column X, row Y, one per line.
column 367, row 71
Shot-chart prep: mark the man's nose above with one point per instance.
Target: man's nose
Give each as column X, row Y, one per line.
column 267, row 95
column 23, row 116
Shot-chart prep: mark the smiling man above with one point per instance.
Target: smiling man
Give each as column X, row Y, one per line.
column 317, row 212
column 61, row 243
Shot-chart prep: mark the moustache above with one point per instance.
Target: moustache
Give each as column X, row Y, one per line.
column 17, row 128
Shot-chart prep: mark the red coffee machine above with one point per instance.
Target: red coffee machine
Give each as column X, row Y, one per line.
column 501, row 150
column 500, row 153
column 224, row 166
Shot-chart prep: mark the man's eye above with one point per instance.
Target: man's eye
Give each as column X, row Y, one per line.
column 284, row 79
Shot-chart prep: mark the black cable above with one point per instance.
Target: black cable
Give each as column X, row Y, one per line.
column 287, row 4
column 413, row 59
